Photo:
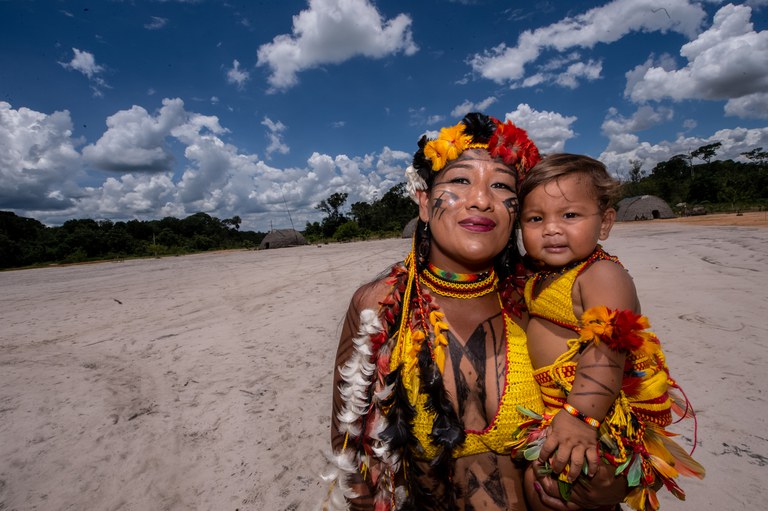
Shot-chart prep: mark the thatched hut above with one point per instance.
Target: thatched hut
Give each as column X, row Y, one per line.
column 643, row 207
column 278, row 238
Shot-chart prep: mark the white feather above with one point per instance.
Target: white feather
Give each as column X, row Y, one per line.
column 356, row 375
column 340, row 467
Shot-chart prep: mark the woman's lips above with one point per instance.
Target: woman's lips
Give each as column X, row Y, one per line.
column 478, row 224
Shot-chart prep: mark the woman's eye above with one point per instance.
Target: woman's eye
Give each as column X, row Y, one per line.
column 503, row 186
column 460, row 180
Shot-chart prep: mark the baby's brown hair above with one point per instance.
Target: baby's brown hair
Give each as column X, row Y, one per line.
column 554, row 166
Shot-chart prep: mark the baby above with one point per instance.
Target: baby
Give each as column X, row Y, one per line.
column 594, row 359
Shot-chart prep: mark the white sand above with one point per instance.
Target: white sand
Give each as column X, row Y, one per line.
column 203, row 382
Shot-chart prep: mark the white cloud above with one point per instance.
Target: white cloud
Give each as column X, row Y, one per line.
column 237, row 76
column 727, row 61
column 435, row 119
column 39, row 162
column 85, row 63
column 136, row 141
column 752, row 106
column 275, row 135
column 156, row 23
column 605, row 24
column 548, row 130
column 331, row 32
column 43, row 175
column 468, row 106
column 619, row 129
column 587, row 70
column 734, row 142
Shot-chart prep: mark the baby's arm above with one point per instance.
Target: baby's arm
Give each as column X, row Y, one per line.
column 599, row 375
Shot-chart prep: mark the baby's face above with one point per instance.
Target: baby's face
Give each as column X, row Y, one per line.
column 561, row 221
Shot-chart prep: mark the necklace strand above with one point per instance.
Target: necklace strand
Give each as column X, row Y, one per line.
column 459, row 285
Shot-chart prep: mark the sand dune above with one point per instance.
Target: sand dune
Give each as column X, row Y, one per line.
column 203, row 382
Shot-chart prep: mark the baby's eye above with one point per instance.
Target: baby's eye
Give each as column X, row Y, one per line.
column 570, row 215
column 533, row 219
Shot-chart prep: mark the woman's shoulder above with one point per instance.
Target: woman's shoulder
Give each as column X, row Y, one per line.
column 369, row 295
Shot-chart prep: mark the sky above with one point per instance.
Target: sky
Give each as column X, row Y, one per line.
column 120, row 110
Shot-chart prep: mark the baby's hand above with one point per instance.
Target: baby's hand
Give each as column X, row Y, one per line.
column 568, row 442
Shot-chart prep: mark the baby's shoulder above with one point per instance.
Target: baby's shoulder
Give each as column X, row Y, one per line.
column 605, row 269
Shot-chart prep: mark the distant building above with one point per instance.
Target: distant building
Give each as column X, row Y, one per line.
column 278, row 238
column 643, row 207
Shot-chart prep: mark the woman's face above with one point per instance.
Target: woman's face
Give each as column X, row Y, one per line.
column 471, row 209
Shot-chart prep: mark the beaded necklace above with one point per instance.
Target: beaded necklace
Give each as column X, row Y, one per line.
column 459, row 285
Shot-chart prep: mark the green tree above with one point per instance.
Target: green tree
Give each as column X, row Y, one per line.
column 332, row 208
column 347, row 231
column 757, row 156
column 636, row 171
column 706, row 152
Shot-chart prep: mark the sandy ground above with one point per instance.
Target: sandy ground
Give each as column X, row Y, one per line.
column 203, row 382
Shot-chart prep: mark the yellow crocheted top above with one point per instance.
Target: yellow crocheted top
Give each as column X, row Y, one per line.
column 520, row 389
column 555, row 302
column 649, row 398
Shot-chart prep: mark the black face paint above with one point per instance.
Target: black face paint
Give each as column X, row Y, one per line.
column 446, row 198
column 512, row 204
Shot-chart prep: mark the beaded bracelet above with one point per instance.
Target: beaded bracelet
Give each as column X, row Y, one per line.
column 585, row 418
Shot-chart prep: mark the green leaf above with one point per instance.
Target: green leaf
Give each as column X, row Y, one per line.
column 529, row 413
column 621, row 467
column 565, row 490
column 635, row 471
column 532, row 453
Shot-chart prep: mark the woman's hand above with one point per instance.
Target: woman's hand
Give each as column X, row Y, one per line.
column 604, row 490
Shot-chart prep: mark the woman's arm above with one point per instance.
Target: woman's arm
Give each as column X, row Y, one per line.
column 364, row 298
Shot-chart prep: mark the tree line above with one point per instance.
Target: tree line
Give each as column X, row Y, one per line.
column 382, row 217
column 695, row 179
column 692, row 179
column 28, row 242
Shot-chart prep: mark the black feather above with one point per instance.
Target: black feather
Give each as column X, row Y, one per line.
column 447, row 430
column 398, row 434
column 480, row 126
column 421, row 163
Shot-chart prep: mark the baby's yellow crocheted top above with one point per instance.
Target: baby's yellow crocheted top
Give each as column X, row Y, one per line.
column 555, row 302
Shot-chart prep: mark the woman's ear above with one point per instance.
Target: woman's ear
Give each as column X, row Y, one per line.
column 609, row 217
column 423, row 197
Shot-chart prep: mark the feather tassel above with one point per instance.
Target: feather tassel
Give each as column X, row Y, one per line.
column 341, row 467
column 356, row 375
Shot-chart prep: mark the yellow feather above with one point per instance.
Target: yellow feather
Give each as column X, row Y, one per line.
column 662, row 467
column 684, row 464
column 636, row 498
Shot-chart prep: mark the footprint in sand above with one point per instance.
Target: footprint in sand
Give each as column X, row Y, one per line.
column 711, row 322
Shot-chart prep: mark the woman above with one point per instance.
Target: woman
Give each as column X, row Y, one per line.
column 432, row 362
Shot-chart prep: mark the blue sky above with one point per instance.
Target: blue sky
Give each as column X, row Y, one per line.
column 145, row 109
